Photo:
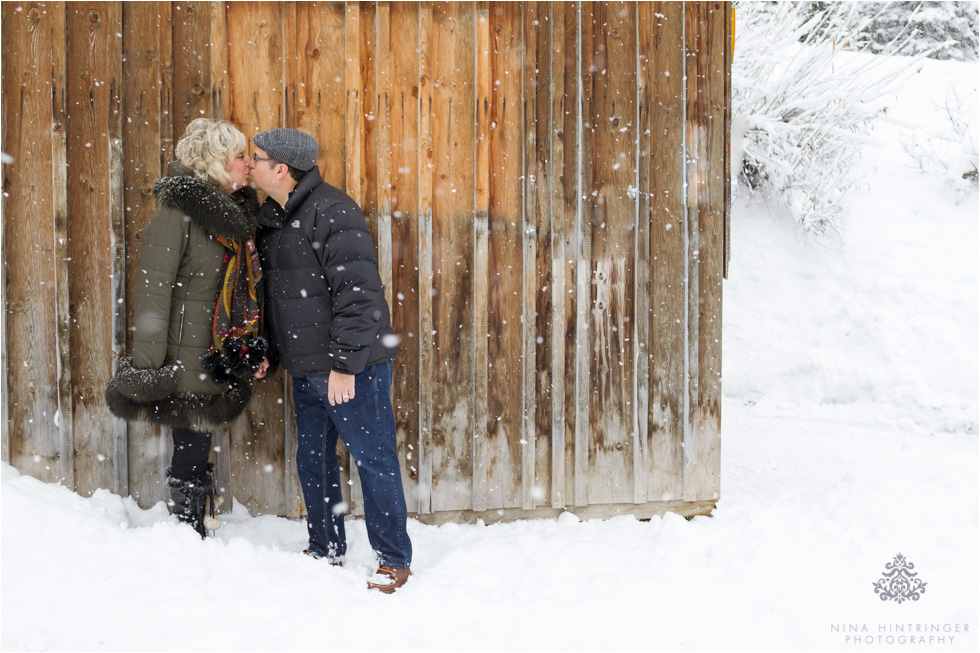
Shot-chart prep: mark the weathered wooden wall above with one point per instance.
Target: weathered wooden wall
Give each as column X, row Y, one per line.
column 545, row 184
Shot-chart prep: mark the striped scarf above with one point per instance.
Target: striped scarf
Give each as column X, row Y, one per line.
column 238, row 347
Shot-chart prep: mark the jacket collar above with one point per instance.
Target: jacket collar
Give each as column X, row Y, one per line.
column 231, row 217
column 273, row 215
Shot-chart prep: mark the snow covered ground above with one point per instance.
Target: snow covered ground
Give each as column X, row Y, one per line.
column 850, row 433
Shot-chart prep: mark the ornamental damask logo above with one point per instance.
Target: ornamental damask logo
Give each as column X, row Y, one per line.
column 899, row 583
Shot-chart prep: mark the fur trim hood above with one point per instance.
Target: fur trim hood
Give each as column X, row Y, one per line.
column 151, row 396
column 221, row 215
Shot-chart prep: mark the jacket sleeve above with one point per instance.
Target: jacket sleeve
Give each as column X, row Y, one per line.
column 357, row 296
column 164, row 243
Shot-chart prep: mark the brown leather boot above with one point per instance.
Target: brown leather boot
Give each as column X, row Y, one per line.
column 388, row 579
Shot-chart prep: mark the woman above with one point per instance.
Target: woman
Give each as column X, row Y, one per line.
column 196, row 318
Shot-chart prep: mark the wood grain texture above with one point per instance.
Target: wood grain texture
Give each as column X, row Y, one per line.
column 404, row 201
column 453, row 141
column 59, row 178
column 255, row 102
column 694, row 147
column 354, row 100
column 255, row 67
column 381, row 120
column 320, row 102
column 505, row 348
column 562, row 273
column 538, row 268
column 529, row 252
column 117, row 219
column 641, row 325
column 522, row 167
column 220, row 82
column 481, row 273
column 93, row 86
column 729, row 45
column 664, row 118
column 39, row 436
column 711, row 243
column 192, row 84
column 147, row 134
column 426, row 289
column 599, row 511
column 612, row 131
column 582, row 21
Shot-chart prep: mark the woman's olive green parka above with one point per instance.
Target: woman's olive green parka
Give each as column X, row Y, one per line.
column 181, row 269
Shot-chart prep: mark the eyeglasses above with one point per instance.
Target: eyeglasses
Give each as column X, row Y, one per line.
column 256, row 157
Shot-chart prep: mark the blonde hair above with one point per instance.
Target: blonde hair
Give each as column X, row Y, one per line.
column 207, row 147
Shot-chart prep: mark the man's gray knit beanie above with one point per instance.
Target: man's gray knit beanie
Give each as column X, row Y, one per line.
column 290, row 146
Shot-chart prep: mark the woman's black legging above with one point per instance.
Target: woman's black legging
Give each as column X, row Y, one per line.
column 191, row 451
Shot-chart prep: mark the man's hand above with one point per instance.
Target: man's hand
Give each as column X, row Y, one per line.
column 340, row 388
column 263, row 368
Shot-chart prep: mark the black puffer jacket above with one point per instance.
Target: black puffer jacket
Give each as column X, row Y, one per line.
column 325, row 306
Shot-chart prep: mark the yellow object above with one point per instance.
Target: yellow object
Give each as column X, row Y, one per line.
column 733, row 31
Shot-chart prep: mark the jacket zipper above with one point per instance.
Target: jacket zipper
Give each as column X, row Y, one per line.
column 180, row 333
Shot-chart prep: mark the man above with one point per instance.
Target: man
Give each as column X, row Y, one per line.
column 327, row 318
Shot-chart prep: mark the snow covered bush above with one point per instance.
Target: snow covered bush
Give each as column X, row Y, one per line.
column 945, row 30
column 802, row 106
column 951, row 150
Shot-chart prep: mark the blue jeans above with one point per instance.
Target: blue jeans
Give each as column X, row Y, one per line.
column 367, row 425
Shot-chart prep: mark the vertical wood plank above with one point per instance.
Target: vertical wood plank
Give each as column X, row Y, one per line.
column 381, row 120
column 37, row 368
column 505, row 412
column 368, row 64
column 256, row 102
column 59, row 152
column 693, row 148
column 404, row 120
column 583, row 252
column 561, row 52
column 729, row 46
column 148, row 138
column 641, row 325
column 664, row 119
column 117, row 218
column 613, row 136
column 191, row 64
column 711, row 225
column 290, row 64
column 320, row 87
column 481, row 272
column 539, row 432
column 427, row 38
column 568, row 126
column 93, row 121
column 164, row 39
column 218, row 56
column 354, row 122
column 453, row 136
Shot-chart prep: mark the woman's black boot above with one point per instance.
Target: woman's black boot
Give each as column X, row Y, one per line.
column 192, row 500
